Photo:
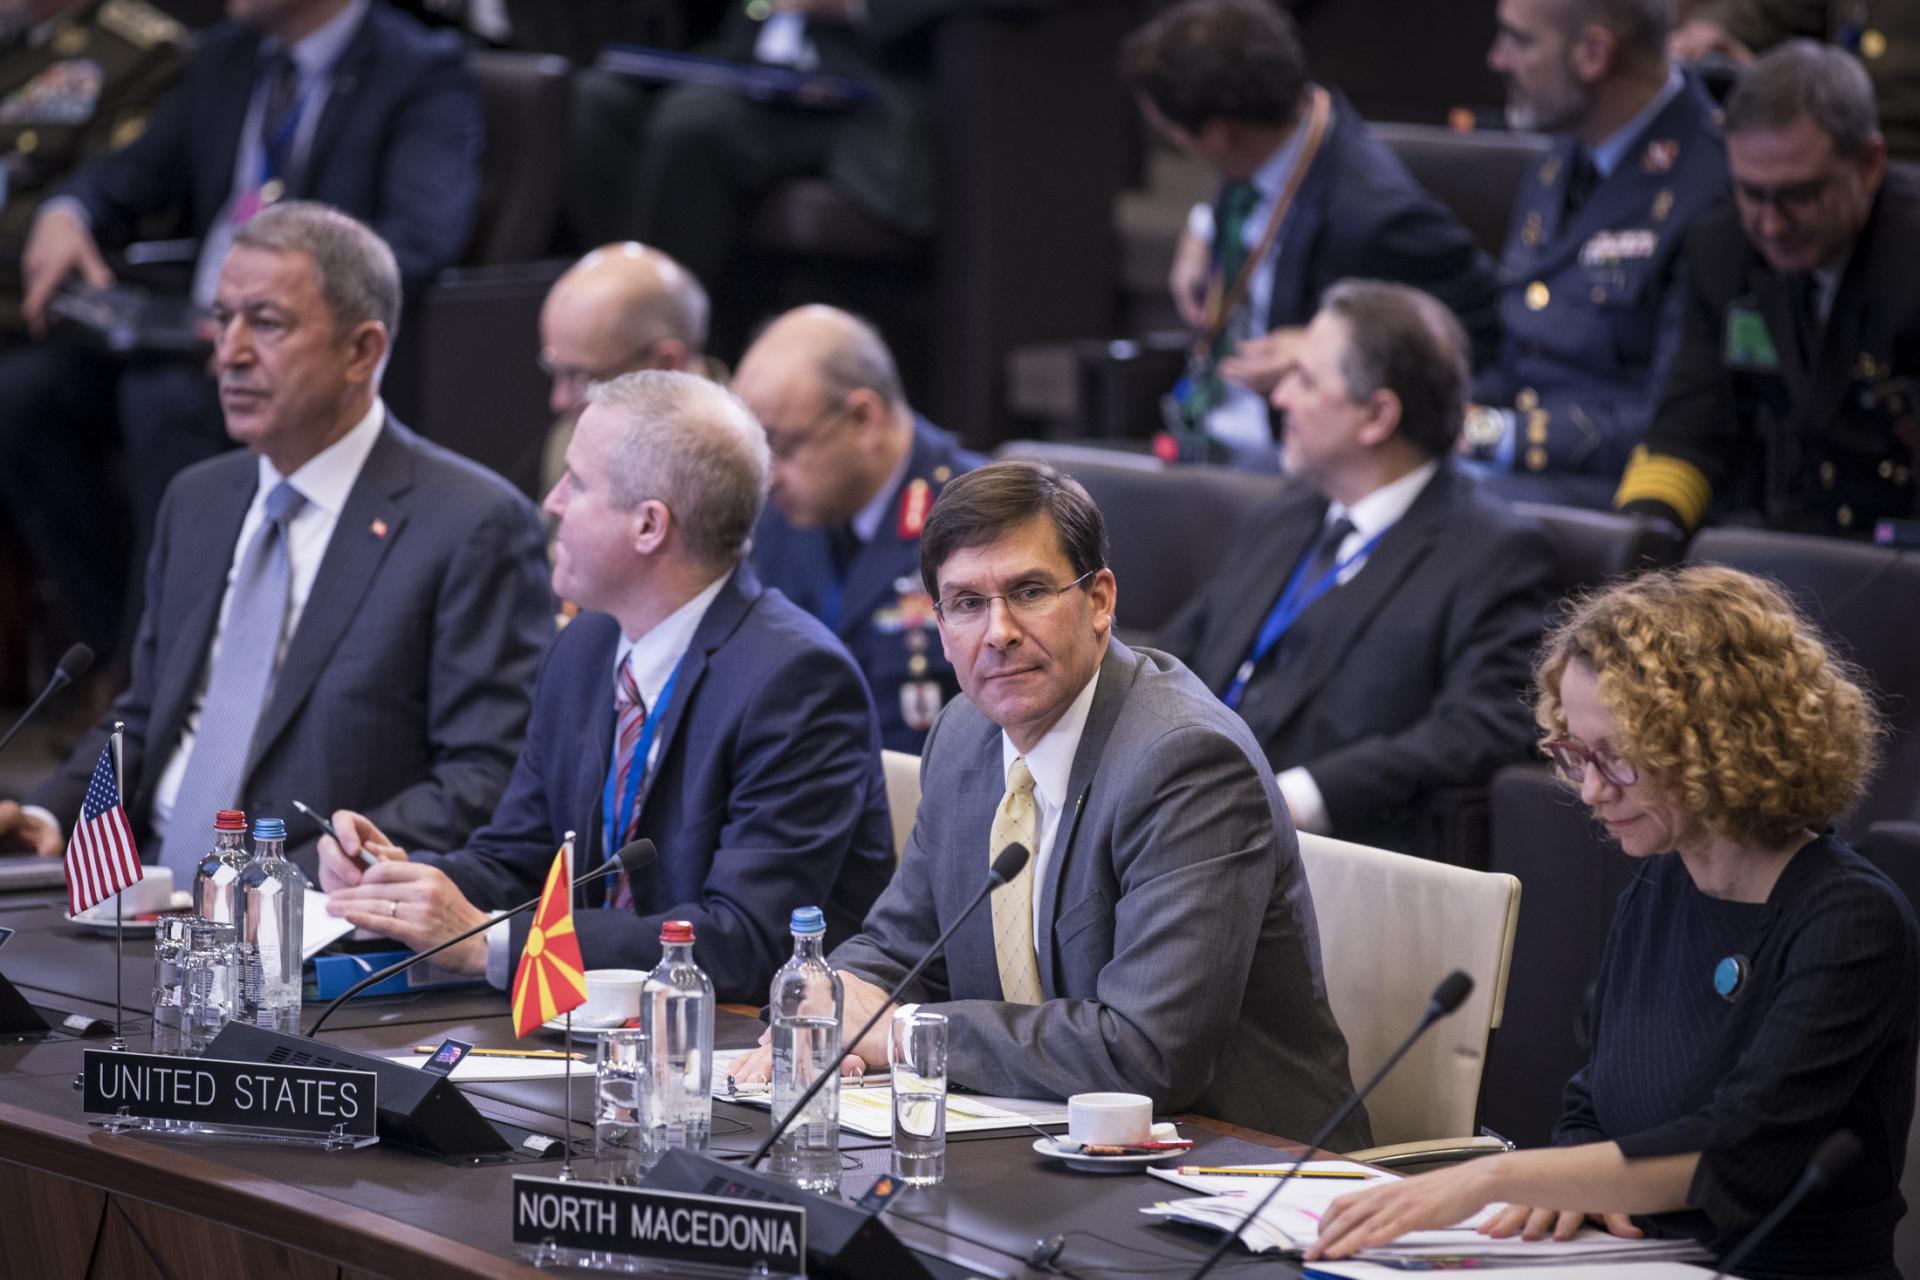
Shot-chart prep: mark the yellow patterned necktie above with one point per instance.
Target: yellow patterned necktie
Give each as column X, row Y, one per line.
column 1017, row 820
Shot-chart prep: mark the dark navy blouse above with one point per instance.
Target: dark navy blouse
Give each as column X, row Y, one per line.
column 1821, row 1034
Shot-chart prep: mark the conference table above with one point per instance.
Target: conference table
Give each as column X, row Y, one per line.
column 76, row 1201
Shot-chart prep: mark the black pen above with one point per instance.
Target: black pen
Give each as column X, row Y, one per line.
column 367, row 860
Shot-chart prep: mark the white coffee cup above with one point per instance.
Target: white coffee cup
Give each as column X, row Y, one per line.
column 613, row 996
column 1117, row 1119
column 151, row 893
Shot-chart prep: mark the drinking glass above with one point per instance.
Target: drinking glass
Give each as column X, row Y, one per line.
column 917, row 1060
column 622, row 1080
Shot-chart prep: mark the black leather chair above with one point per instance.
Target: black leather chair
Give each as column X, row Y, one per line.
column 1030, row 134
column 1168, row 526
column 464, row 372
column 1475, row 174
column 1592, row 547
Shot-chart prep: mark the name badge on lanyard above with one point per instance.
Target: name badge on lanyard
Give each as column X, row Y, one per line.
column 620, row 805
column 1295, row 600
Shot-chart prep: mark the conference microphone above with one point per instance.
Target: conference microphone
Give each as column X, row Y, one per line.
column 1005, row 867
column 73, row 664
column 1453, row 989
column 842, row 1239
column 1829, row 1160
column 631, row 858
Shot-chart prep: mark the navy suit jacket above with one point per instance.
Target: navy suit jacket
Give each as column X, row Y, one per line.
column 766, row 794
column 397, row 145
column 1360, row 213
column 1582, row 368
column 885, row 614
column 403, row 692
column 1411, row 676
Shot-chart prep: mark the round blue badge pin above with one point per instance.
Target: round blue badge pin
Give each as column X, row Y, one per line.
column 1730, row 977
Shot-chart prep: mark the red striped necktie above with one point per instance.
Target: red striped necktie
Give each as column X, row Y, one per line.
column 630, row 714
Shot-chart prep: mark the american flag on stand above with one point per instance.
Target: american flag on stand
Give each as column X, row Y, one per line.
column 101, row 859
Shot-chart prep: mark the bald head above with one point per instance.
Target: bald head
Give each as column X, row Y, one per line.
column 823, row 384
column 622, row 308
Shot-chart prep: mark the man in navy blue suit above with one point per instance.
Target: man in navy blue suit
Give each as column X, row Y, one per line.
column 855, row 471
column 344, row 102
column 1308, row 196
column 690, row 706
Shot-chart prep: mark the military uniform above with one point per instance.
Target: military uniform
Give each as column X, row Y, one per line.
column 1883, row 34
column 76, row 87
column 881, row 611
column 1590, row 302
column 1767, row 412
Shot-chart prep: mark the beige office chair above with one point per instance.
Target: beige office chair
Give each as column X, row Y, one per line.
column 903, row 795
column 1391, row 927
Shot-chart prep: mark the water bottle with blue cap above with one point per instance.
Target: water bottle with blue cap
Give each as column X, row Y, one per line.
column 273, row 897
column 805, row 1005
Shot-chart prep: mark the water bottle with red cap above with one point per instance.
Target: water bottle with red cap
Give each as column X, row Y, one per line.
column 676, row 1010
column 216, row 881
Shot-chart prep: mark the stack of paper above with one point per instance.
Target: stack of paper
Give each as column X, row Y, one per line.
column 1292, row 1221
column 867, row 1108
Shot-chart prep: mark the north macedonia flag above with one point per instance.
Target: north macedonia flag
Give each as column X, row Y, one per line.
column 549, row 980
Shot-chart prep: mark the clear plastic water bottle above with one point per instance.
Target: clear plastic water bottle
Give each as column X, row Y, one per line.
column 273, row 898
column 676, row 1009
column 216, row 881
column 805, row 1005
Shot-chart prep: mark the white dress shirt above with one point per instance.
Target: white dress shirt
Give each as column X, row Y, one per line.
column 324, row 481
column 1370, row 515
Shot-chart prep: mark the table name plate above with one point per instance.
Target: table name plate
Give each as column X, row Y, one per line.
column 676, row 1226
column 153, row 1086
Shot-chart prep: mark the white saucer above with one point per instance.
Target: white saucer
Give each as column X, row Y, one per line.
column 99, row 921
column 1103, row 1164
column 559, row 1027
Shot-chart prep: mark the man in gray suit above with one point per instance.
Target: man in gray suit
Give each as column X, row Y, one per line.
column 344, row 613
column 1162, row 939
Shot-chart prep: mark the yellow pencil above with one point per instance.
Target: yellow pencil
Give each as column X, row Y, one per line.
column 505, row 1053
column 1353, row 1174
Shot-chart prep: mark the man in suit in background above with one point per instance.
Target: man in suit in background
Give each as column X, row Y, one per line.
column 1161, row 940
column 345, row 614
column 689, row 706
column 1791, row 397
column 1590, row 279
column 341, row 101
column 621, row 308
column 855, row 471
column 1226, row 81
column 1375, row 625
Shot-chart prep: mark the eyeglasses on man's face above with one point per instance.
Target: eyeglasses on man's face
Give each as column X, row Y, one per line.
column 1571, row 758
column 1028, row 602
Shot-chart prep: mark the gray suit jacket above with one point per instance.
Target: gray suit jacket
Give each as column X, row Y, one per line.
column 1178, row 948
column 404, row 690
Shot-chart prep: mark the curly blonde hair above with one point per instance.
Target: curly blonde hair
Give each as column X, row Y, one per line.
column 1726, row 698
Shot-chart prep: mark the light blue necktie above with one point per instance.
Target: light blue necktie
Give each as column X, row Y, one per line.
column 237, row 689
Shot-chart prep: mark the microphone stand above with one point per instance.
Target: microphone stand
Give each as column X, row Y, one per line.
column 73, row 664
column 1453, row 989
column 996, row 877
column 631, row 857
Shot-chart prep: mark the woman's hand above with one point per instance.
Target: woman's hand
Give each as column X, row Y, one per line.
column 1367, row 1219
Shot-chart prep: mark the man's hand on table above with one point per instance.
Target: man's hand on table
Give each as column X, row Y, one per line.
column 22, row 832
column 416, row 906
column 860, row 999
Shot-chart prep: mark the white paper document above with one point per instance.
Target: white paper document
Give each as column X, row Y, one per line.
column 867, row 1108
column 1292, row 1222
column 317, row 928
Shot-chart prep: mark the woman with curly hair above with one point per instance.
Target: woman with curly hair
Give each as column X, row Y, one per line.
column 1761, row 983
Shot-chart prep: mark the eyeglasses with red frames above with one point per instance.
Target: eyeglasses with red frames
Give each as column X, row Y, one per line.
column 1571, row 758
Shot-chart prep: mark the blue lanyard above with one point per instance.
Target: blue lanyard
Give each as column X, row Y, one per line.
column 619, row 819
column 1295, row 600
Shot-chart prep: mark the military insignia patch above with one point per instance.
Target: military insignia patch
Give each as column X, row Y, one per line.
column 1662, row 206
column 140, row 24
column 1748, row 344
column 70, row 41
column 915, row 500
column 919, row 703
column 1660, row 155
column 65, row 93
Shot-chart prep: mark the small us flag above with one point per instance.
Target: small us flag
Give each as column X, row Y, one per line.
column 101, row 859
